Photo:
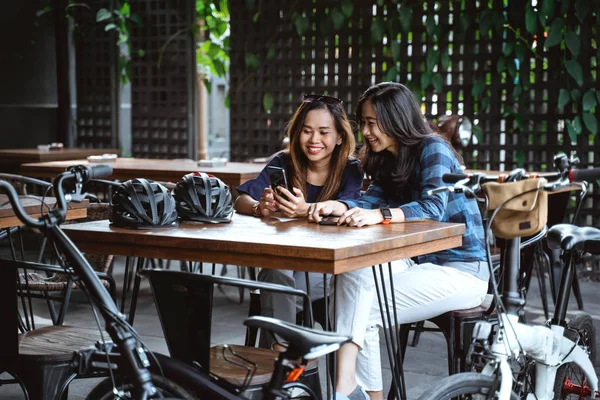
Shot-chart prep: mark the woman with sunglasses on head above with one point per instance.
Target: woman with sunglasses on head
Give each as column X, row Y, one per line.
column 319, row 165
column 404, row 159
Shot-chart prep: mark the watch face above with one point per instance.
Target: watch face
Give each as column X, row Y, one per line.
column 387, row 214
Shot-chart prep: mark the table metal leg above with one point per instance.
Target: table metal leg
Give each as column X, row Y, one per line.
column 136, row 289
column 391, row 339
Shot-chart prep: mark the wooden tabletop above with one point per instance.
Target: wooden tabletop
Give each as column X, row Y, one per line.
column 20, row 156
column 233, row 174
column 32, row 205
column 272, row 243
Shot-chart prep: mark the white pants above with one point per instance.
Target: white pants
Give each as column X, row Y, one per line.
column 421, row 291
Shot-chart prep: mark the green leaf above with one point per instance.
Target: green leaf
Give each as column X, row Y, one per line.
column 520, row 158
column 255, row 16
column 555, row 34
column 271, row 53
column 251, row 61
column 125, row 9
column 531, row 20
column 508, row 48
column 432, row 59
column 102, row 15
column 405, row 18
column 377, row 31
column 485, row 22
column 430, row 25
column 512, row 68
column 227, row 101
column 267, row 101
column 338, row 18
column 425, row 80
column 548, row 8
column 437, row 83
column 589, row 100
column 517, row 92
column 501, row 65
column 395, row 45
column 391, row 74
column 573, row 43
column 520, row 51
column 478, row 132
column 575, row 95
column 301, row 23
column 445, row 60
column 519, row 120
column 563, row 98
column 208, row 85
column 582, row 8
column 590, row 122
column 571, row 131
column 577, row 125
column 141, row 53
column 110, row 26
column 347, row 8
column 477, row 88
column 574, row 69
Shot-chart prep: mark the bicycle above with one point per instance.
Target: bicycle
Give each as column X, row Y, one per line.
column 135, row 372
column 513, row 350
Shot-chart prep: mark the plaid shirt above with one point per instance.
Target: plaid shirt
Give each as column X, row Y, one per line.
column 437, row 159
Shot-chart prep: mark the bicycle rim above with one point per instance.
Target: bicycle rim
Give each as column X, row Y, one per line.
column 570, row 380
column 465, row 386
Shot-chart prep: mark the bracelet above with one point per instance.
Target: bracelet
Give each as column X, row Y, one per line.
column 255, row 209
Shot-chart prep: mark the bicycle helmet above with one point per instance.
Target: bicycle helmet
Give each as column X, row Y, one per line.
column 143, row 204
column 203, row 197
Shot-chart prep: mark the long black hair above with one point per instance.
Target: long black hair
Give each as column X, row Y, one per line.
column 399, row 117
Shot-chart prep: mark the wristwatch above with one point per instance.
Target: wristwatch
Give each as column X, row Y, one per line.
column 387, row 215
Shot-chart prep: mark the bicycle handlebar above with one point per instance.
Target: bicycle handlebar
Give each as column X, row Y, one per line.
column 56, row 216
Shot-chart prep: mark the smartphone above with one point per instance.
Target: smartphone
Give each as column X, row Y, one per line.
column 330, row 221
column 277, row 178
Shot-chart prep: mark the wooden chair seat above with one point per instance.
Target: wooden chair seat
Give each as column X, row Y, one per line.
column 56, row 342
column 235, row 374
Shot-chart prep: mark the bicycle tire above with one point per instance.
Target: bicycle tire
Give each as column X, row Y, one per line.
column 168, row 388
column 584, row 324
column 466, row 385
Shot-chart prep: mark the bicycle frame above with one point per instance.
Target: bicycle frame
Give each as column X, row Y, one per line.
column 546, row 345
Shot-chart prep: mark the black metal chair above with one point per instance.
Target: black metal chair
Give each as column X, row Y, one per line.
column 41, row 361
column 185, row 301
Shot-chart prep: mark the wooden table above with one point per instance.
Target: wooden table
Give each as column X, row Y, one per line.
column 32, row 206
column 271, row 243
column 233, row 174
column 11, row 159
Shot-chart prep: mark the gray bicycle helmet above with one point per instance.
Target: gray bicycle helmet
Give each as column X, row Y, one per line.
column 203, row 197
column 143, row 204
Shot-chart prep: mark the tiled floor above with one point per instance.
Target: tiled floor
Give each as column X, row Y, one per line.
column 424, row 364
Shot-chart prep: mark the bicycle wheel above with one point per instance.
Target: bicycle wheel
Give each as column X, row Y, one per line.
column 166, row 387
column 570, row 374
column 465, row 386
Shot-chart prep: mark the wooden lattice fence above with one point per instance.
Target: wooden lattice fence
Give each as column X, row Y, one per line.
column 520, row 120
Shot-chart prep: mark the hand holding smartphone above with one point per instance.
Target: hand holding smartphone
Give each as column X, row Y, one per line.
column 277, row 178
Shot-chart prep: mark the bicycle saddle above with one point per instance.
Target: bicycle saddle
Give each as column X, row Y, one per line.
column 574, row 238
column 303, row 342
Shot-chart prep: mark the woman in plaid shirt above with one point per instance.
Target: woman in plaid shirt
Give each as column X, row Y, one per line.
column 404, row 159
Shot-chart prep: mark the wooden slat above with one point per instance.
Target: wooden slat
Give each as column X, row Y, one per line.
column 32, row 205
column 232, row 174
